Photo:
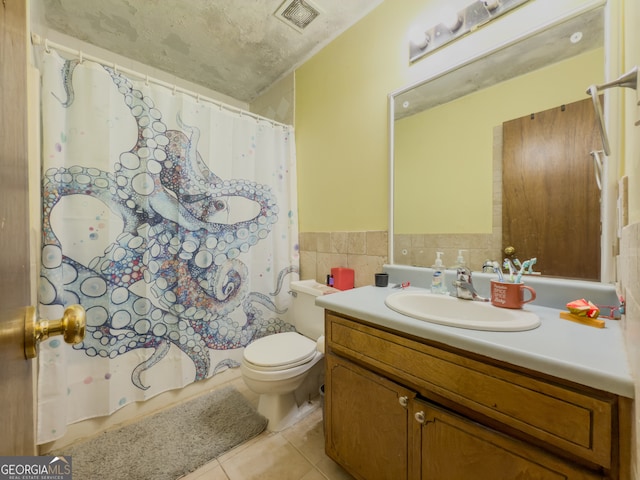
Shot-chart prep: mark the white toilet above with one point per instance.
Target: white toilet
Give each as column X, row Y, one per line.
column 277, row 365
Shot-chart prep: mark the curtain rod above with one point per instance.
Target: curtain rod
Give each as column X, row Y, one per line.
column 39, row 41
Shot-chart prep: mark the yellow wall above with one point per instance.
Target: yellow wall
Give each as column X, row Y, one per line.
column 631, row 152
column 341, row 123
column 447, row 152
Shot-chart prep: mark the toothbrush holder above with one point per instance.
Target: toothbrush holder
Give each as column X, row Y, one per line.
column 510, row 295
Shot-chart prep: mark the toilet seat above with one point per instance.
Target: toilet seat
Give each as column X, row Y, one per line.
column 280, row 352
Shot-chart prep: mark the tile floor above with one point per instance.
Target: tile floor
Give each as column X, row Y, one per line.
column 296, row 453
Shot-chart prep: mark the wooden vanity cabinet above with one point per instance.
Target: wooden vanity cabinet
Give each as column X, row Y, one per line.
column 369, row 422
column 401, row 408
column 453, row 447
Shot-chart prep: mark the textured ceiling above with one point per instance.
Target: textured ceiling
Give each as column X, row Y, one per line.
column 235, row 47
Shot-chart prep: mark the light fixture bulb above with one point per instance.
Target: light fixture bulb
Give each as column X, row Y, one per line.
column 491, row 5
column 451, row 19
column 419, row 38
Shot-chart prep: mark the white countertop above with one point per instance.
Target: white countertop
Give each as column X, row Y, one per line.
column 590, row 356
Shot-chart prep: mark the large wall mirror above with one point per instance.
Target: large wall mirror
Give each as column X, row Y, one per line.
column 446, row 140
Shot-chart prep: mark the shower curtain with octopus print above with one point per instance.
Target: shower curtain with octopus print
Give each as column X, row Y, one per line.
column 172, row 221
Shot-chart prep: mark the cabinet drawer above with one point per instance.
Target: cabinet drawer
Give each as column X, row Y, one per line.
column 578, row 422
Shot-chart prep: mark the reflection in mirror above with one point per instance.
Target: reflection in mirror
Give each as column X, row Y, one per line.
column 447, row 139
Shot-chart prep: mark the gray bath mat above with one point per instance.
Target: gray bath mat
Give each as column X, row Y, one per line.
column 170, row 443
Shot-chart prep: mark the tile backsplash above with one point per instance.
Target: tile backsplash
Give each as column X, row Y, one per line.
column 419, row 250
column 629, row 288
column 364, row 252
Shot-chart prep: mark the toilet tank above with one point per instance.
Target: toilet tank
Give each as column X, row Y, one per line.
column 303, row 313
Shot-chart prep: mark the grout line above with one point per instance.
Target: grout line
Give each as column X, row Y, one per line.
column 314, row 465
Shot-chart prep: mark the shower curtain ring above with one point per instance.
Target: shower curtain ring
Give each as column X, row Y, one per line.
column 46, row 45
column 146, row 80
column 80, row 59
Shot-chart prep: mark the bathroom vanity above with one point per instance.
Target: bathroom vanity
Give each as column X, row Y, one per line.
column 408, row 399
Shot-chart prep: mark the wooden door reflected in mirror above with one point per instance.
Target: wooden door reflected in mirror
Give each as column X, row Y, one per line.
column 550, row 198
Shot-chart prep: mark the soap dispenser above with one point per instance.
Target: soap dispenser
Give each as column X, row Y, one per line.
column 460, row 261
column 437, row 281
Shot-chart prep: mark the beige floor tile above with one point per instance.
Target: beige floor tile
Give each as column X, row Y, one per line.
column 273, row 458
column 211, row 471
column 243, row 446
column 308, row 436
column 332, row 470
column 314, row 475
column 296, row 453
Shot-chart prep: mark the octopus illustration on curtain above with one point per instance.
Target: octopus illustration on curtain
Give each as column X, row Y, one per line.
column 179, row 270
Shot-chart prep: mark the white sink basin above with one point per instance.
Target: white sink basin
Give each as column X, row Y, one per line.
column 455, row 312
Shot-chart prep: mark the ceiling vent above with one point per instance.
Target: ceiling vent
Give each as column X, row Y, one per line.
column 298, row 14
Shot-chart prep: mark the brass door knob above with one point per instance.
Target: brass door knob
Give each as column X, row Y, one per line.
column 71, row 326
column 509, row 251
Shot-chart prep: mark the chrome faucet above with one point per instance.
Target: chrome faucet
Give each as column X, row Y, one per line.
column 493, row 267
column 464, row 287
column 488, row 266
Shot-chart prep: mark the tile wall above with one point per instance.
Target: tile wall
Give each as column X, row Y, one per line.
column 420, row 249
column 365, row 252
column 629, row 274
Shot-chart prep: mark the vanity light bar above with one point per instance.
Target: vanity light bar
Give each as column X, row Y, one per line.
column 469, row 19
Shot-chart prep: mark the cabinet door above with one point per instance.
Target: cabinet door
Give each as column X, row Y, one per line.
column 454, row 448
column 366, row 424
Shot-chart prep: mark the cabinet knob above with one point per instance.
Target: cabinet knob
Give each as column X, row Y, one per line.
column 404, row 400
column 419, row 416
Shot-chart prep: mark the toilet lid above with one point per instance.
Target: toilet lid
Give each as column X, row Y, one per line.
column 282, row 350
